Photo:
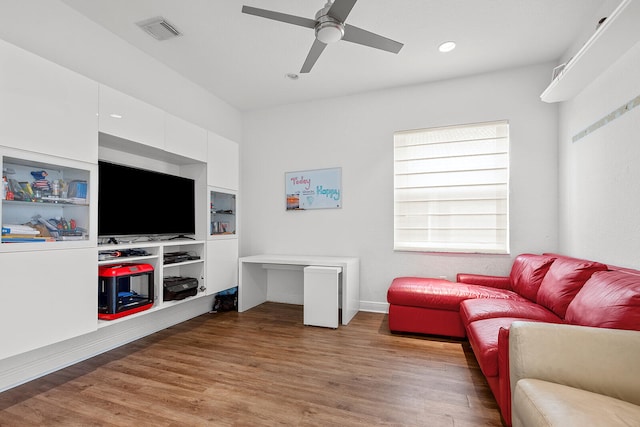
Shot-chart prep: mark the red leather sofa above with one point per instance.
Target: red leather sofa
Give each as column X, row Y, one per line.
column 544, row 288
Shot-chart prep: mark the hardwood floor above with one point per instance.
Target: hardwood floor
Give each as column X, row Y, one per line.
column 263, row 367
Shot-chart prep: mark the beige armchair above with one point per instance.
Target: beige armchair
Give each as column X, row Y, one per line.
column 565, row 375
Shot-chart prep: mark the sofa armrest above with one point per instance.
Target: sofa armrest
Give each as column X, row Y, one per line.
column 501, row 282
column 504, row 390
column 603, row 361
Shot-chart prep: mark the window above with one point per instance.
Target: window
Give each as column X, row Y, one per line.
column 451, row 189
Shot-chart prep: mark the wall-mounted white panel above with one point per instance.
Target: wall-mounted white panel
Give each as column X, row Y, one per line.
column 612, row 39
column 223, row 162
column 184, row 138
column 222, row 265
column 123, row 116
column 46, row 108
column 47, row 297
column 599, row 177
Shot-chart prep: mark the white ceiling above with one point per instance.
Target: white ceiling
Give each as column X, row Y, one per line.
column 243, row 59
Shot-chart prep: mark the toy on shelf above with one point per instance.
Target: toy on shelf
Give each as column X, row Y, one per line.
column 41, row 182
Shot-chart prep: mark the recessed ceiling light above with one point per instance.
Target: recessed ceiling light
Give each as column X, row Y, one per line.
column 115, row 116
column 447, row 47
column 292, row 76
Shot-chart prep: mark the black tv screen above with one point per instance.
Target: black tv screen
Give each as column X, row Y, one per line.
column 139, row 202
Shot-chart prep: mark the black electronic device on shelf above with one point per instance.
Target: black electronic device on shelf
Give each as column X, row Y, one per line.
column 178, row 288
column 124, row 253
column 139, row 202
column 174, row 257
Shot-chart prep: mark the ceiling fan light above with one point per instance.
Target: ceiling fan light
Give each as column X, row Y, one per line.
column 329, row 32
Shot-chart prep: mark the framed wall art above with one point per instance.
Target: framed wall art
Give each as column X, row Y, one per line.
column 314, row 189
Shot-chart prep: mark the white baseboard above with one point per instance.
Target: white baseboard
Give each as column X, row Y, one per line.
column 374, row 307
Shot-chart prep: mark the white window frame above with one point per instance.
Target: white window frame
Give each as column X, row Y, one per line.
column 451, row 189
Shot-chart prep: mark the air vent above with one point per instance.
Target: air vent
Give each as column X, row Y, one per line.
column 159, row 28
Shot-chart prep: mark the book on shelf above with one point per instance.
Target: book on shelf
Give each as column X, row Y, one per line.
column 8, row 239
column 22, row 236
column 19, row 229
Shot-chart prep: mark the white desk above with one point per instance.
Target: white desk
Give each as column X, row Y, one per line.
column 252, row 286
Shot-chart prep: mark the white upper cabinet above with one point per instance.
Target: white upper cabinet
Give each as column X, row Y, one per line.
column 184, row 138
column 223, row 162
column 130, row 119
column 46, row 108
column 126, row 117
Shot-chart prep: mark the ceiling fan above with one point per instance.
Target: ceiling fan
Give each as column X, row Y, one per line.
column 330, row 27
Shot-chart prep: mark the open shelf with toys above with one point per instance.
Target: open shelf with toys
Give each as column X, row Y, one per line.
column 44, row 202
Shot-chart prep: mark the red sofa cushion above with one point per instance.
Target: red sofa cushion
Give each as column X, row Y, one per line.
column 483, row 337
column 563, row 281
column 478, row 309
column 527, row 273
column 609, row 299
column 422, row 320
column 439, row 293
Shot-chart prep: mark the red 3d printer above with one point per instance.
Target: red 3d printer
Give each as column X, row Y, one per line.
column 124, row 289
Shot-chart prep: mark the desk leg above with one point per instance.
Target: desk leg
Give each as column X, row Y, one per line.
column 252, row 285
column 350, row 291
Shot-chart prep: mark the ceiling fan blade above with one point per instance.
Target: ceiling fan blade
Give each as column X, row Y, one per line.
column 341, row 9
column 277, row 16
column 358, row 35
column 312, row 57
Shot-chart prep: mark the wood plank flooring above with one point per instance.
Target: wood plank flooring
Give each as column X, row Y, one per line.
column 263, row 367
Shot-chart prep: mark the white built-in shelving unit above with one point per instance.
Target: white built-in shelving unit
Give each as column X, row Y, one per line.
column 58, row 121
column 156, row 252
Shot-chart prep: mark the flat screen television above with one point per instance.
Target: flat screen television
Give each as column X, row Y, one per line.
column 139, row 202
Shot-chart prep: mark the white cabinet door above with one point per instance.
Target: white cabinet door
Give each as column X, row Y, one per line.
column 222, row 265
column 46, row 108
column 129, row 118
column 81, row 186
column 47, row 297
column 223, row 162
column 184, row 138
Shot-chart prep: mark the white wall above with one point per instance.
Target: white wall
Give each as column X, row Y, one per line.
column 600, row 177
column 54, row 31
column 356, row 133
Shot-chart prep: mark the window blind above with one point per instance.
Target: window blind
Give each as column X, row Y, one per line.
column 451, row 189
